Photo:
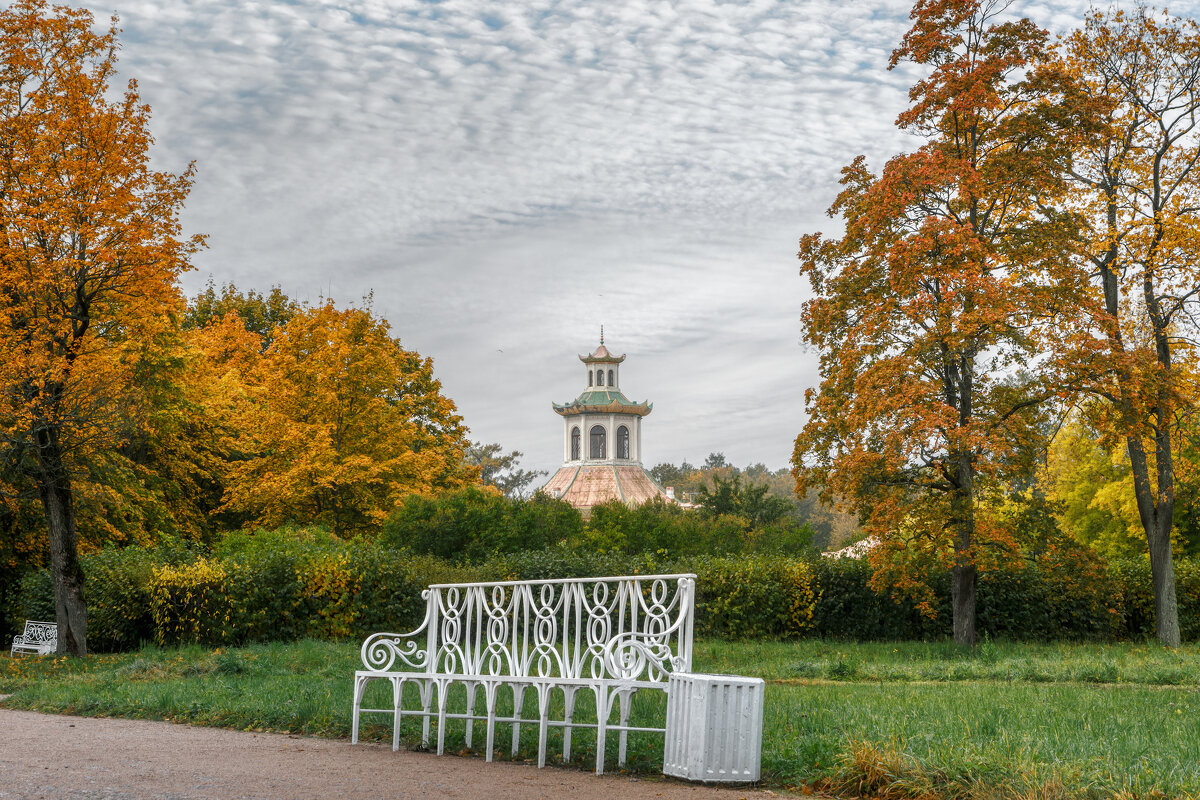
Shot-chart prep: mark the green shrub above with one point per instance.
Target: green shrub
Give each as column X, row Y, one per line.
column 467, row 525
column 189, row 603
column 389, row 594
column 291, row 583
column 848, row 608
column 753, row 596
column 1132, row 580
column 266, row 592
column 117, row 589
column 564, row 562
column 1187, row 594
column 32, row 599
column 541, row 521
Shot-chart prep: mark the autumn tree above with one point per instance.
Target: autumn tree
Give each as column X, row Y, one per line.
column 928, row 307
column 1138, row 187
column 260, row 313
column 340, row 423
column 90, row 252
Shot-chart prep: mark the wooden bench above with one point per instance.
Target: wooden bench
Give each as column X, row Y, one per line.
column 39, row 637
column 612, row 636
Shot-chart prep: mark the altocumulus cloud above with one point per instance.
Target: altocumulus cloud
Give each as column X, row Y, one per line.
column 506, row 176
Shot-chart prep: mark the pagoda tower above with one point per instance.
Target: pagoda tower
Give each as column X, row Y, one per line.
column 602, row 440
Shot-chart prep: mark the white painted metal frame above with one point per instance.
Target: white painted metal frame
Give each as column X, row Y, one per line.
column 714, row 727
column 39, row 637
column 612, row 635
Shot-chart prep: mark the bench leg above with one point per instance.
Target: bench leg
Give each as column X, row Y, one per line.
column 543, row 692
column 397, row 711
column 624, row 698
column 443, row 688
column 603, row 707
column 518, row 702
column 360, row 686
column 471, row 687
column 426, row 690
column 490, row 689
column 569, row 705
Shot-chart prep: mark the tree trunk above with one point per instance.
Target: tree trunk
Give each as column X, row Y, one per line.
column 54, row 485
column 962, row 588
column 1162, row 568
column 1156, row 511
column 962, row 576
column 1162, row 574
column 1156, row 514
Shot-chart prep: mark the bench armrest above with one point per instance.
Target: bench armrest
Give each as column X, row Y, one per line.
column 381, row 651
column 641, row 656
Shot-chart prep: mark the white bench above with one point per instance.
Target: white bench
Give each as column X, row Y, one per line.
column 612, row 636
column 39, row 637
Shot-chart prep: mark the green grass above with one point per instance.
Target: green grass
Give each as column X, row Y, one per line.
column 944, row 662
column 883, row 719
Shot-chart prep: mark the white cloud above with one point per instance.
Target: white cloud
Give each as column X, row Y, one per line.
column 508, row 176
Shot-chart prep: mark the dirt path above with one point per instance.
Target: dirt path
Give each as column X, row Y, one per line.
column 71, row 758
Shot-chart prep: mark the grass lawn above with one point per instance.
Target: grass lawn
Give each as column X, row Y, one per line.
column 881, row 719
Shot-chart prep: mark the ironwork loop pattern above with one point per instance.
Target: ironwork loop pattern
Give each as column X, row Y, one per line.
column 635, row 628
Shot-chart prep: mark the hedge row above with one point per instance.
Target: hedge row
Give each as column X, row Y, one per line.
column 288, row 585
column 472, row 525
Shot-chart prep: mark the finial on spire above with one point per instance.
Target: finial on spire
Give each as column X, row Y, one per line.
column 601, row 334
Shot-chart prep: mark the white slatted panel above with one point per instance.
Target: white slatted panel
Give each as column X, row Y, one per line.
column 714, row 727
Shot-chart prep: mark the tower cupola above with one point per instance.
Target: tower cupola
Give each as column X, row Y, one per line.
column 602, row 439
column 603, row 368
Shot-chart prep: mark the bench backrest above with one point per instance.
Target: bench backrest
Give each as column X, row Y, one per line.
column 636, row 628
column 40, row 635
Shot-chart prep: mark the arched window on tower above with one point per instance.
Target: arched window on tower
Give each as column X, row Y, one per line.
column 589, row 377
column 597, row 435
column 575, row 443
column 623, row 442
column 610, row 378
column 599, row 377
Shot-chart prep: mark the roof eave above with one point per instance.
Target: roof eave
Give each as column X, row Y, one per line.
column 572, row 410
column 602, row 359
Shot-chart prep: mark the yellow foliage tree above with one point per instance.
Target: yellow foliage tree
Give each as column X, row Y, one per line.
column 341, row 423
column 1137, row 185
column 1092, row 486
column 90, row 251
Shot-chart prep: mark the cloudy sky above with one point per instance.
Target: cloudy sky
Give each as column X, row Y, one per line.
column 506, row 177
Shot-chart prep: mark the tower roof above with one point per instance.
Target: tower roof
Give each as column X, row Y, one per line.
column 589, row 485
column 609, row 401
column 601, row 353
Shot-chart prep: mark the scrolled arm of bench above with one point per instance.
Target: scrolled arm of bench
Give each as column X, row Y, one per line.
column 382, row 651
column 640, row 656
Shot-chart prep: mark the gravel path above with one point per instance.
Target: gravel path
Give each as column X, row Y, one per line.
column 71, row 758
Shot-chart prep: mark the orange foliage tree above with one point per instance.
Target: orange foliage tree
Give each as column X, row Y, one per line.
column 931, row 304
column 340, row 423
column 1138, row 188
column 90, row 250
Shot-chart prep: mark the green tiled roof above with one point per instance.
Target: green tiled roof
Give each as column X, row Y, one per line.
column 603, row 400
column 602, row 397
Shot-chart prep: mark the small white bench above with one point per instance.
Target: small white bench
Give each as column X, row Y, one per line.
column 612, row 636
column 39, row 637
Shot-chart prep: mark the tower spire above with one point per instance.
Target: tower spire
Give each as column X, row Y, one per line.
column 601, row 334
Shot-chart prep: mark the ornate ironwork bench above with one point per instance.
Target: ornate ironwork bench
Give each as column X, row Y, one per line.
column 612, row 636
column 39, row 637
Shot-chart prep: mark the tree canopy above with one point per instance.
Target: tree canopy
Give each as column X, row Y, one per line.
column 936, row 296
column 90, row 250
column 340, row 422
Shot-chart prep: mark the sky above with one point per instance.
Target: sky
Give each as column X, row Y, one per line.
column 503, row 178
